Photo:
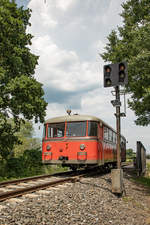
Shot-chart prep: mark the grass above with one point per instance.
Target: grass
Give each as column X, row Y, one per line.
column 47, row 169
column 50, row 169
column 144, row 180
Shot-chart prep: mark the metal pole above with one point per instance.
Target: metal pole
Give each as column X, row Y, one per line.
column 117, row 174
column 118, row 126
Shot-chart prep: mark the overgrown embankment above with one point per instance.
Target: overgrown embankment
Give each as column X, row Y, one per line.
column 144, row 180
column 28, row 164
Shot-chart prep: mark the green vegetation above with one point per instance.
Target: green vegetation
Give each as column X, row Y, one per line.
column 25, row 136
column 144, row 180
column 26, row 158
column 21, row 96
column 26, row 165
column 148, row 156
column 130, row 154
column 131, row 43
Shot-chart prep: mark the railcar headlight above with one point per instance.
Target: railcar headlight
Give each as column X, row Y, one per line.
column 48, row 147
column 82, row 146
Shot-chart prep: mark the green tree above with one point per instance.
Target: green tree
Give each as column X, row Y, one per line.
column 21, row 96
column 25, row 136
column 131, row 43
column 130, row 154
column 148, row 156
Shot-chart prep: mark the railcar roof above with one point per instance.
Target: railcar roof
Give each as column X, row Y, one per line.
column 75, row 118
column 72, row 118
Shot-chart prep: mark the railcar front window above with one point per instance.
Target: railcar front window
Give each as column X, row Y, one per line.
column 92, row 128
column 56, row 130
column 76, row 129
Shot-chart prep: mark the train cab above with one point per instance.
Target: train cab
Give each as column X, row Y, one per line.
column 71, row 140
column 78, row 141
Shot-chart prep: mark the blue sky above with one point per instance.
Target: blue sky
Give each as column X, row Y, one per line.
column 22, row 2
column 68, row 37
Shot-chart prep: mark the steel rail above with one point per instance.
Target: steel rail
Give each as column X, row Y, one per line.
column 22, row 191
column 36, row 187
column 16, row 181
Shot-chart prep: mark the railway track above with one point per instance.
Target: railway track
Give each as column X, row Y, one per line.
column 27, row 179
column 16, row 188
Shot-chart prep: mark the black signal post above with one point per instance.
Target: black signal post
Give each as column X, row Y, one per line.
column 118, row 126
column 114, row 76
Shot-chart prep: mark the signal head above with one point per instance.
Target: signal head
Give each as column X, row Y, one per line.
column 115, row 74
column 122, row 73
column 107, row 76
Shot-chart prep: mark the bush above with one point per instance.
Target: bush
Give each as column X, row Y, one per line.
column 29, row 164
column 33, row 162
column 148, row 156
column 15, row 167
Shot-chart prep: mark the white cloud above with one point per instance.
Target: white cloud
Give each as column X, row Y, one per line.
column 62, row 68
column 111, row 16
column 63, row 4
column 68, row 37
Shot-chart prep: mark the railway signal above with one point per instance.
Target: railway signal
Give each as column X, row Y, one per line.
column 123, row 75
column 107, row 76
column 115, row 74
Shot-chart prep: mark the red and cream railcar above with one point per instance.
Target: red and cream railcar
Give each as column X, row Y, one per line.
column 80, row 140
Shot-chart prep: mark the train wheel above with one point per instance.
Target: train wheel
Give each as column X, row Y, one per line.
column 74, row 168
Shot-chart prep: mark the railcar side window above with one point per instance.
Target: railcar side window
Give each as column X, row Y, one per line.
column 92, row 128
column 56, row 130
column 110, row 133
column 114, row 137
column 105, row 133
column 76, row 129
column 123, row 142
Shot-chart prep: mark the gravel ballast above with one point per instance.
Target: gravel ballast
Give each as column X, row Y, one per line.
column 87, row 202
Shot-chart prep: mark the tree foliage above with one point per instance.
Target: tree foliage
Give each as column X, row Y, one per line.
column 130, row 154
column 27, row 139
column 28, row 164
column 131, row 43
column 21, row 96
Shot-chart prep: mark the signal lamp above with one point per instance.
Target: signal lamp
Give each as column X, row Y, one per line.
column 121, row 72
column 108, row 82
column 108, row 69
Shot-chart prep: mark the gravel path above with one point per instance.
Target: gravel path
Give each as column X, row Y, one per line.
column 88, row 202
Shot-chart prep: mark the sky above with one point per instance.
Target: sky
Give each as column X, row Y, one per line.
column 69, row 35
